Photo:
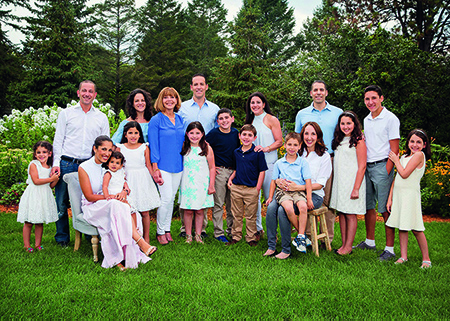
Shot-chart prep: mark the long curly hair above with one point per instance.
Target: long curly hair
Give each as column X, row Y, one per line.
column 356, row 135
column 48, row 147
column 148, row 104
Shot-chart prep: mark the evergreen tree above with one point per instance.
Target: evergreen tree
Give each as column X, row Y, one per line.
column 116, row 33
column 206, row 21
column 278, row 21
column 162, row 52
column 248, row 69
column 54, row 53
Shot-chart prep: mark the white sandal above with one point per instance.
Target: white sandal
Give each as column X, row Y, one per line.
column 402, row 260
column 425, row 265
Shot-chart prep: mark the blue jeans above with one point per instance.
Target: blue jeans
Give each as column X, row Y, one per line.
column 62, row 202
column 276, row 212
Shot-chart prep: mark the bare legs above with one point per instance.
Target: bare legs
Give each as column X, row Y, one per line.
column 298, row 222
column 348, row 224
column 370, row 221
column 188, row 216
column 421, row 240
column 142, row 243
column 146, row 225
column 38, row 231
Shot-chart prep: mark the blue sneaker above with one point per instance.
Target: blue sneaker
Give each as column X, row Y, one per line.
column 222, row 239
column 300, row 243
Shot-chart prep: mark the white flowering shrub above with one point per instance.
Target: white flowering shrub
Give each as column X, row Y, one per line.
column 24, row 129
column 21, row 130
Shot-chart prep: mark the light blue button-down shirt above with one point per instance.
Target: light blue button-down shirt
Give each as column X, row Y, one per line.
column 327, row 120
column 297, row 171
column 191, row 111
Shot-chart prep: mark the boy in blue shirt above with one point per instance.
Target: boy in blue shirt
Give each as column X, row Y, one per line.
column 223, row 140
column 245, row 184
column 295, row 169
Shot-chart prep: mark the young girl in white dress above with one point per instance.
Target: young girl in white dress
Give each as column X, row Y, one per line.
column 404, row 202
column 197, row 182
column 348, row 194
column 114, row 179
column 143, row 193
column 37, row 204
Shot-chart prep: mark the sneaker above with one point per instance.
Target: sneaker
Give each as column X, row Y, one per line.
column 182, row 234
column 386, row 256
column 300, row 243
column 204, row 235
column 308, row 242
column 222, row 239
column 363, row 246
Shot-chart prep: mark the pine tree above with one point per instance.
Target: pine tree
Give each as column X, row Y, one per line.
column 162, row 51
column 206, row 21
column 116, row 33
column 54, row 53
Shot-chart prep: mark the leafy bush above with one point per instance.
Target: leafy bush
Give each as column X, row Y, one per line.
column 13, row 194
column 13, row 166
column 435, row 191
column 24, row 129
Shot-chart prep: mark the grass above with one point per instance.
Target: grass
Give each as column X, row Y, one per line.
column 212, row 281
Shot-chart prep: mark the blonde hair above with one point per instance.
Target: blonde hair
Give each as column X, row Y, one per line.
column 167, row 91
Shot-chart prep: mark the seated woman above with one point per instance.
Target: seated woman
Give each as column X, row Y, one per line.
column 314, row 151
column 120, row 239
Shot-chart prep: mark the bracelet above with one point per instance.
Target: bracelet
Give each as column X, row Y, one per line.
column 156, row 170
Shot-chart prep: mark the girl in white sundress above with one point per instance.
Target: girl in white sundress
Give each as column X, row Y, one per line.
column 143, row 193
column 404, row 202
column 37, row 204
column 348, row 194
column 114, row 179
column 197, row 182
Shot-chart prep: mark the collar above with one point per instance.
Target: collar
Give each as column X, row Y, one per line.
column 90, row 109
column 381, row 115
column 248, row 151
column 326, row 107
column 296, row 162
column 193, row 102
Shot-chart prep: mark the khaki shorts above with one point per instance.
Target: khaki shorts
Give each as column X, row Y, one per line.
column 295, row 196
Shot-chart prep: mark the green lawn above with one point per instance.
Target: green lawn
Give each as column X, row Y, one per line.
column 212, row 281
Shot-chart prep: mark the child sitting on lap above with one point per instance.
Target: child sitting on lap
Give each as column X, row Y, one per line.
column 296, row 170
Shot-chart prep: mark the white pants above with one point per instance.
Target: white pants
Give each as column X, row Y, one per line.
column 167, row 191
column 265, row 189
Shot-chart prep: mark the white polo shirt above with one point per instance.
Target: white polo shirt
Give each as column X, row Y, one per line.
column 378, row 132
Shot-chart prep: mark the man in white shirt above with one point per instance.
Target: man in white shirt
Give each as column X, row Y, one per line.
column 76, row 129
column 382, row 133
column 198, row 108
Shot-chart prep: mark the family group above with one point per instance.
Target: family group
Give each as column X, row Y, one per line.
column 191, row 147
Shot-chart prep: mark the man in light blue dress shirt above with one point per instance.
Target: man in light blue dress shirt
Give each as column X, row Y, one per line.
column 198, row 108
column 326, row 115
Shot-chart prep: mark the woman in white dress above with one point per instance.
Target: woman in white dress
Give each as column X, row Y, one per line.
column 120, row 238
column 268, row 139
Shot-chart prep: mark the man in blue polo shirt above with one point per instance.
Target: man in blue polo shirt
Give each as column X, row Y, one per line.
column 326, row 116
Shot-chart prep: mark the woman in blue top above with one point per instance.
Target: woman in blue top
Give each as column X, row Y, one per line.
column 139, row 104
column 166, row 136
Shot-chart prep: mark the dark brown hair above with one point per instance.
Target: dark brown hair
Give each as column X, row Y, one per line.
column 126, row 128
column 356, row 133
column 48, row 147
column 187, row 143
column 320, row 146
column 424, row 137
column 148, row 104
column 248, row 111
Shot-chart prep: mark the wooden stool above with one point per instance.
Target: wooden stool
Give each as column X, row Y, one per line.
column 313, row 215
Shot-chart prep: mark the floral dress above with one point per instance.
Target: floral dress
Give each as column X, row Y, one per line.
column 195, row 182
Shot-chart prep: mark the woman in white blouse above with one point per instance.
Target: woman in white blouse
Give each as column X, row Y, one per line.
column 314, row 151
